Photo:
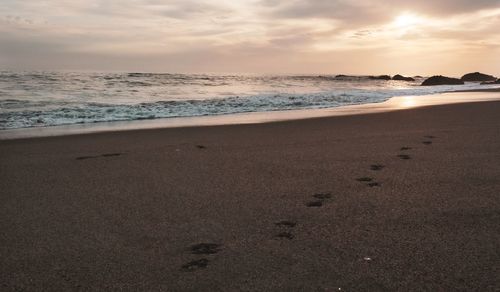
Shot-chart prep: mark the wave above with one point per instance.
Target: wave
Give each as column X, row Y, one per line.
column 40, row 99
column 25, row 113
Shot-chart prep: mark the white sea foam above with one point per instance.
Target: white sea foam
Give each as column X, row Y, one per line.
column 49, row 99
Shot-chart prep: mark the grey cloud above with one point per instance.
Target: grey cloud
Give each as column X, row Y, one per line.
column 187, row 9
column 446, row 7
column 364, row 12
column 167, row 8
column 12, row 19
column 362, row 33
column 346, row 11
column 117, row 8
column 293, row 41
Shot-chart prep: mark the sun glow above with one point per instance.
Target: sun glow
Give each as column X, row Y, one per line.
column 407, row 20
column 407, row 102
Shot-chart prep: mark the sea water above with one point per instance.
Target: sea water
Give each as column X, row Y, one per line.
column 43, row 99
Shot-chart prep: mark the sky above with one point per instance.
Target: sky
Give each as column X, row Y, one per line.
column 409, row 37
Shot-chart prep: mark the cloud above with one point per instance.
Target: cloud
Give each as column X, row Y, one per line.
column 445, row 7
column 353, row 12
column 370, row 10
column 245, row 35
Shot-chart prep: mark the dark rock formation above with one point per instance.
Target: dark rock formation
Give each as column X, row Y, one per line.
column 441, row 80
column 346, row 77
column 491, row 82
column 402, row 78
column 477, row 77
column 381, row 77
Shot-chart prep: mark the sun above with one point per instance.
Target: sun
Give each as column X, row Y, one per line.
column 407, row 20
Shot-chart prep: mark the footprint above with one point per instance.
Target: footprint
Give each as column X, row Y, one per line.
column 369, row 181
column 195, row 265
column 315, row 204
column 376, row 167
column 427, row 142
column 286, row 235
column 286, row 223
column 102, row 155
column 201, row 147
column 405, row 148
column 205, row 248
column 85, row 157
column 404, row 156
column 111, row 154
column 322, row 196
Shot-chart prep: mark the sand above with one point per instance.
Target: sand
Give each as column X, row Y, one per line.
column 406, row 200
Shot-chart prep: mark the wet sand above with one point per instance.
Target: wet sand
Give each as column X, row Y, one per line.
column 406, row 200
column 393, row 104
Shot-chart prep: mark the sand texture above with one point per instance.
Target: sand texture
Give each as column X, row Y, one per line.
column 399, row 201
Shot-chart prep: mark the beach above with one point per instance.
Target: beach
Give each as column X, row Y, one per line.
column 406, row 200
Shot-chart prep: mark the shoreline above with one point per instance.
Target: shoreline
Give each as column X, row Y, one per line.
column 396, row 201
column 393, row 104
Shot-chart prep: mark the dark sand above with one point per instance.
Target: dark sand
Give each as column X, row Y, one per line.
column 313, row 205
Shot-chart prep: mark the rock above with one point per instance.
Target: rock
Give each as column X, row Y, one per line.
column 324, row 77
column 402, row 78
column 381, row 77
column 441, row 80
column 342, row 76
column 490, row 82
column 477, row 77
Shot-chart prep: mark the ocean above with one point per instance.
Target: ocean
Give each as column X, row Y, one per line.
column 44, row 99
